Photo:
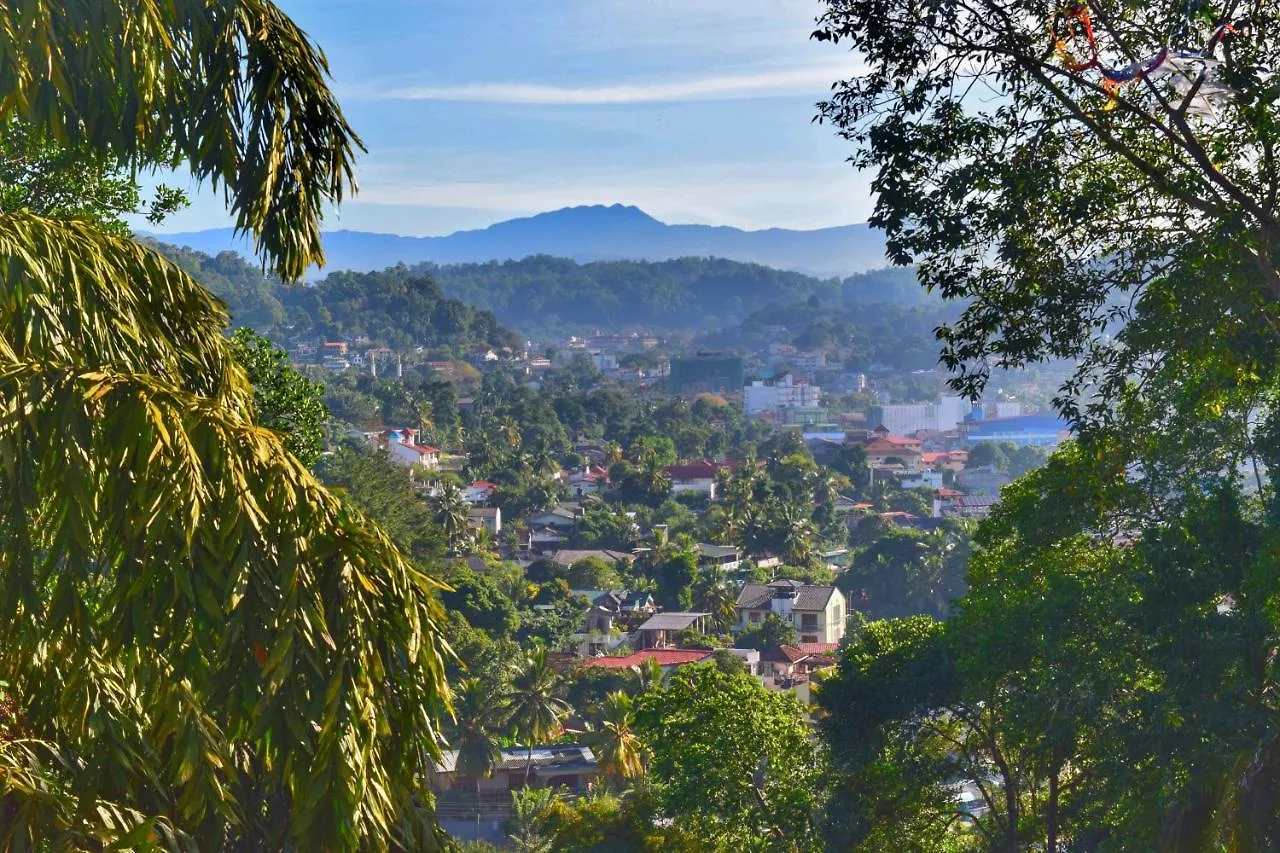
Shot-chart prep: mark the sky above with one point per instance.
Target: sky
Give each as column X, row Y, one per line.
column 475, row 111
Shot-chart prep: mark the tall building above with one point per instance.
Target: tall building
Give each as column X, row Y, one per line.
column 907, row 418
column 706, row 371
column 783, row 392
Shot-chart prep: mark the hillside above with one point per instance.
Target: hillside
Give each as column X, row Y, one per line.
column 545, row 294
column 596, row 233
column 394, row 307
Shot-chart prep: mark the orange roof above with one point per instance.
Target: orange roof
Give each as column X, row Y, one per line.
column 664, row 657
column 818, row 648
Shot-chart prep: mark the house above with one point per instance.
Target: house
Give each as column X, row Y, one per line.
column 983, row 480
column 969, row 506
column 480, row 492
column 668, row 659
column 563, row 517
column 790, row 668
column 589, row 480
column 723, row 558
column 488, row 518
column 604, row 626
column 564, row 766
column 539, row 541
column 403, row 449
column 946, row 460
column 659, row 630
column 569, row 556
column 884, row 449
column 920, row 480
column 817, row 612
column 697, row 476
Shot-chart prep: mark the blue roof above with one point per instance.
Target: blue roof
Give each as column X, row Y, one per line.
column 1020, row 423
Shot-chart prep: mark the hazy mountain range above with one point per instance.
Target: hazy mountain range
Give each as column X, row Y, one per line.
column 596, row 233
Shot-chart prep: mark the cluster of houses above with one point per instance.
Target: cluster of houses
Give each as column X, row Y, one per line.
column 615, row 617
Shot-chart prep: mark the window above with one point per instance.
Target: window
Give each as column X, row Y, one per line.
column 809, row 621
column 835, row 614
column 808, row 638
column 755, row 616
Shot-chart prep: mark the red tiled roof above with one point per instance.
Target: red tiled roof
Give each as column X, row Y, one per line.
column 818, row 648
column 423, row 448
column 665, row 657
column 483, row 484
column 782, row 654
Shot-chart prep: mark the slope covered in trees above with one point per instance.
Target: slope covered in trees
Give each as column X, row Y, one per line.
column 394, row 307
column 546, row 293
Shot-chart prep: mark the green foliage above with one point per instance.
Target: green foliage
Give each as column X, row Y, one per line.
column 593, row 573
column 381, row 490
column 62, row 182
column 773, row 631
column 283, row 399
column 188, row 616
column 479, row 600
column 731, row 761
column 904, row 572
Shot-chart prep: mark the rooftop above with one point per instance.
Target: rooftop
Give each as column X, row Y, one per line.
column 664, row 657
column 673, row 621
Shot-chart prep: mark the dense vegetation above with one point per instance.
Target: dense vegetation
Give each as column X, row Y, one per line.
column 430, row 304
column 393, row 307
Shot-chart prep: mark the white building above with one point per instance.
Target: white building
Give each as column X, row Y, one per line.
column 907, row 418
column 784, row 392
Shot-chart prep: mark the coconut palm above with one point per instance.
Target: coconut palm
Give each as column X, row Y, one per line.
column 617, row 746
column 478, row 715
column 203, row 647
column 452, row 514
column 533, row 708
column 649, row 675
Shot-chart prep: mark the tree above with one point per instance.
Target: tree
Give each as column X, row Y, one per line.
column 482, row 603
column 533, row 708
column 529, row 808
column 452, row 513
column 477, row 714
column 187, row 613
column 593, row 573
column 617, row 747
column 772, row 632
column 283, row 399
column 731, row 761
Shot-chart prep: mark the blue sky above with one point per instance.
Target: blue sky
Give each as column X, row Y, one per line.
column 475, row 111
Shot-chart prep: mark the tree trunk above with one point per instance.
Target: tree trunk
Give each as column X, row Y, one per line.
column 528, row 765
column 478, row 809
column 1051, row 811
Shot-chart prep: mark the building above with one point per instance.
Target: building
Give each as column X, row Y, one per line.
column 908, row 418
column 712, row 372
column 480, row 492
column 659, row 630
column 668, row 659
column 589, row 480
column 885, row 450
column 765, row 396
column 817, row 612
column 563, row 766
column 1023, row 430
column 983, row 480
column 723, row 558
column 697, row 476
column 603, row 626
column 488, row 518
column 403, row 449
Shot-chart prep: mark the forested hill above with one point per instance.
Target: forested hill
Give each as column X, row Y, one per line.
column 545, row 294
column 395, row 307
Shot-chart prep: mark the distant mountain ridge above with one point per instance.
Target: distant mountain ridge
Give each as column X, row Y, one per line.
column 584, row 234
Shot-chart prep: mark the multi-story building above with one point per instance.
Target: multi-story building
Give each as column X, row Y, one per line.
column 783, row 392
column 817, row 612
column 908, row 418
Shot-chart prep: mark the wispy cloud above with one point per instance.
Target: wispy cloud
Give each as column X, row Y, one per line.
column 804, row 80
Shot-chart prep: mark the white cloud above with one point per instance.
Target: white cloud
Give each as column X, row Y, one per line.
column 813, row 79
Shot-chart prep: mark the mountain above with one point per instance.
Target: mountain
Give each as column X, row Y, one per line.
column 596, row 233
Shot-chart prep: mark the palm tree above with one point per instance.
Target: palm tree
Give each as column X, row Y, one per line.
column 478, row 714
column 187, row 617
column 452, row 514
column 616, row 742
column 712, row 595
column 649, row 675
column 533, row 708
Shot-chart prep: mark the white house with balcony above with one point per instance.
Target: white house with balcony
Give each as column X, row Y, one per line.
column 817, row 612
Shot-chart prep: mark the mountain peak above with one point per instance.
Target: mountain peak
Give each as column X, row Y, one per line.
column 589, row 233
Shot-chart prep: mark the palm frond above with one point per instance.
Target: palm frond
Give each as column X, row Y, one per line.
column 231, row 87
column 199, row 547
